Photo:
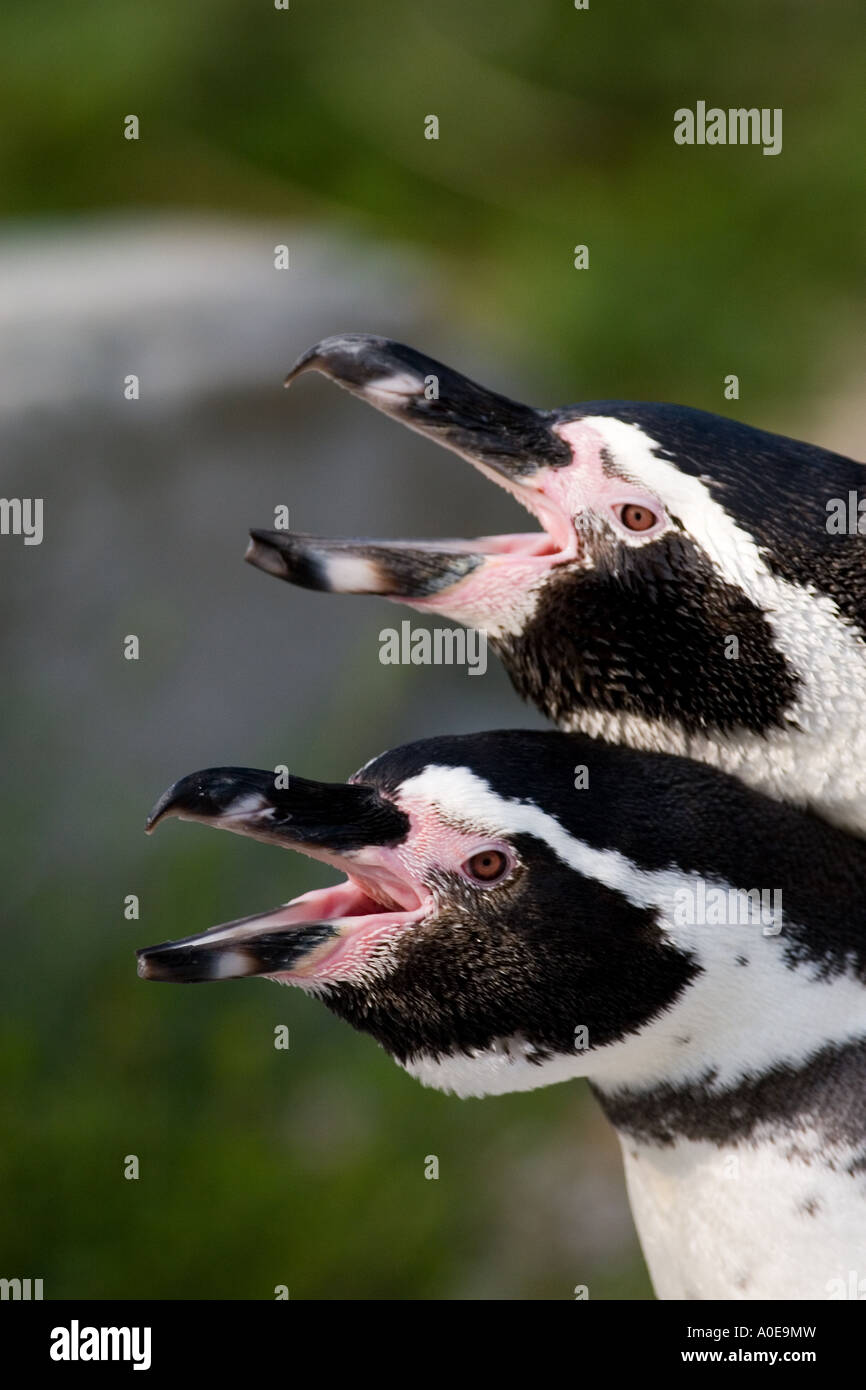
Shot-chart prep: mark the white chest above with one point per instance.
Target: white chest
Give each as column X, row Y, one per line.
column 765, row 1219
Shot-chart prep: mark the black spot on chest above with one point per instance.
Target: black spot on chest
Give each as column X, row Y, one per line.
column 810, row 1206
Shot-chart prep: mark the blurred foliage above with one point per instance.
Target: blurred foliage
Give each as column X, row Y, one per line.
column 305, row 1167
column 555, row 129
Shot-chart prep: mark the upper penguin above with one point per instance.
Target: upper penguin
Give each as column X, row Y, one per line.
column 698, row 586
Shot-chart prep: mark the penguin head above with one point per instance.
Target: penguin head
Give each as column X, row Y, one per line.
column 686, row 580
column 520, row 907
column 467, row 935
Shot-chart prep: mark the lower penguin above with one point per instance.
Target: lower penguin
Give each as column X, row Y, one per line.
column 511, row 914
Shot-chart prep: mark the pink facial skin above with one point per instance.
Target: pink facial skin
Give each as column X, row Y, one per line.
column 366, row 924
column 588, row 485
column 500, row 594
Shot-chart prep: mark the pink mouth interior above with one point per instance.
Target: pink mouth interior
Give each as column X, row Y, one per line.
column 557, row 540
column 363, row 921
column 519, row 543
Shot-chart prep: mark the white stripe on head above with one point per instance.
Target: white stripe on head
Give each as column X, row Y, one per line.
column 687, row 497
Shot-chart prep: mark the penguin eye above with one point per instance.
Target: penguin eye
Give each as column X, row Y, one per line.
column 635, row 516
column 487, row 866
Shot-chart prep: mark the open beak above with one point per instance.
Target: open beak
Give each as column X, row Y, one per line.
column 321, row 936
column 514, row 445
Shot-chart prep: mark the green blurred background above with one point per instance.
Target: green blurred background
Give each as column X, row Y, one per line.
column 305, row 1167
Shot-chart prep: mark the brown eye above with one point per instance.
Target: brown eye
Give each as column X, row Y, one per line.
column 636, row 517
column 487, row 866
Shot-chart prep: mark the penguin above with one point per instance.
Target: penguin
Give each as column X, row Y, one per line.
column 521, row 908
column 697, row 586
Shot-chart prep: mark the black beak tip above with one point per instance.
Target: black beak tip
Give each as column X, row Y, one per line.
column 201, row 795
column 186, row 793
column 320, row 357
column 144, row 965
column 155, row 963
column 263, row 554
column 161, row 808
column 350, row 358
column 170, row 963
column 307, row 362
